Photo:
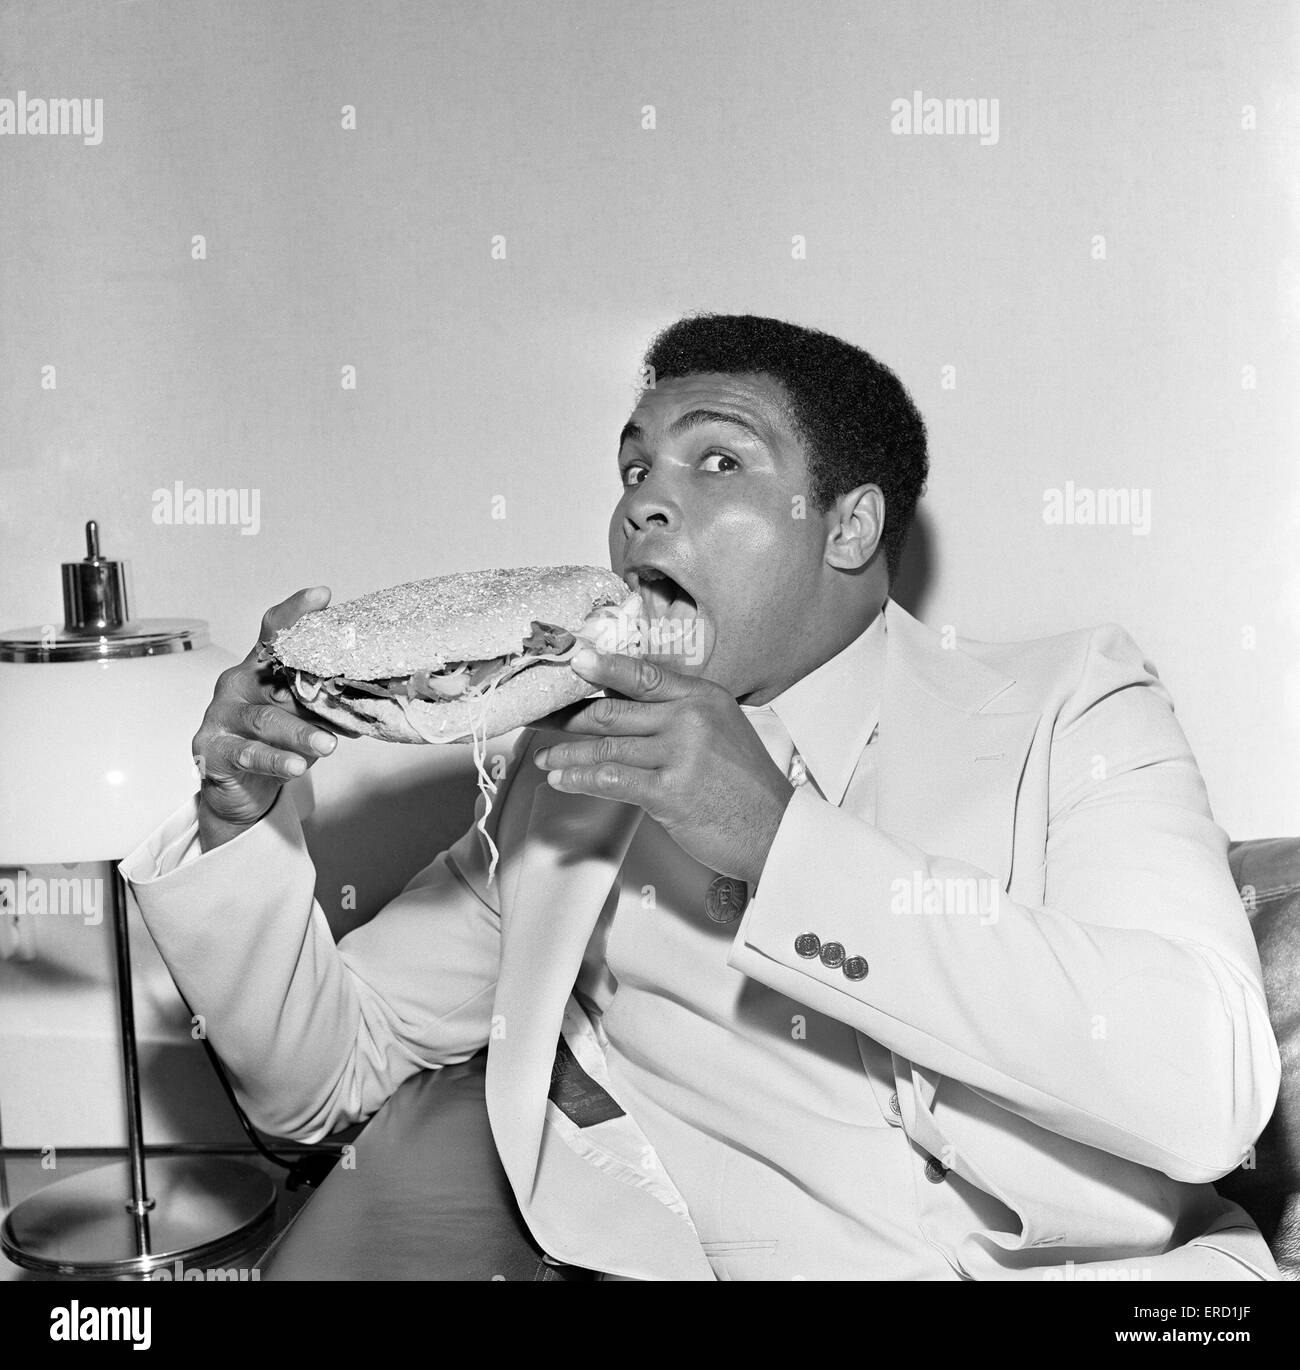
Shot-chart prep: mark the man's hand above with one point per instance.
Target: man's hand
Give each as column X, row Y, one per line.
column 679, row 747
column 254, row 736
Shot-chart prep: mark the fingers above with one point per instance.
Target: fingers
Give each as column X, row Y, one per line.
column 278, row 728
column 638, row 677
column 254, row 683
column 255, row 732
column 610, row 780
column 646, row 753
column 604, row 715
column 259, row 759
column 231, row 756
column 280, row 616
column 270, row 688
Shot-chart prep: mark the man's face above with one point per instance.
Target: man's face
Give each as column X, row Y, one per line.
column 712, row 471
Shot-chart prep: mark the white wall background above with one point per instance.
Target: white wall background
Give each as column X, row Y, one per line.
column 479, row 378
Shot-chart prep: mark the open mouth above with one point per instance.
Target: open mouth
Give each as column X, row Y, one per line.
column 662, row 596
column 674, row 628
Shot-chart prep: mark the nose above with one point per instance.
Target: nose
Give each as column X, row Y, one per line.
column 649, row 505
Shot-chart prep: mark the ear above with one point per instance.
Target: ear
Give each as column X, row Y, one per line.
column 855, row 524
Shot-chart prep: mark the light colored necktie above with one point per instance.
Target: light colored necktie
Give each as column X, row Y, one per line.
column 780, row 747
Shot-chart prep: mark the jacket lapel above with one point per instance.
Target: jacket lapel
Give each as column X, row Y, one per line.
column 570, row 859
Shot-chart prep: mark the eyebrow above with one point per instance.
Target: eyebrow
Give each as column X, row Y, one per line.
column 696, row 418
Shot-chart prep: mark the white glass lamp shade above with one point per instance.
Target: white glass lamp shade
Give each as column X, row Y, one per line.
column 95, row 754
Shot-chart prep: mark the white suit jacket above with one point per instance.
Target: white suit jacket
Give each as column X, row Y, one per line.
column 1092, row 1057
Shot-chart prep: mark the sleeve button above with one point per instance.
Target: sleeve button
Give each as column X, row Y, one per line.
column 833, row 955
column 808, row 944
column 856, row 968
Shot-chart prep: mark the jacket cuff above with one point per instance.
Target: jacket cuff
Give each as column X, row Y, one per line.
column 162, row 866
column 843, row 880
column 799, row 894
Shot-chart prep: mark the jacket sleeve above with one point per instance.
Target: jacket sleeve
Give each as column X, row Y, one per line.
column 316, row 1036
column 1127, row 1012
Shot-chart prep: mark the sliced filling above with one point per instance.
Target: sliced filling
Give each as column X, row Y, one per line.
column 611, row 627
column 453, row 679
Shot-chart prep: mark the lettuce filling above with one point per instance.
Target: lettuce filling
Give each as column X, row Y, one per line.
column 452, row 680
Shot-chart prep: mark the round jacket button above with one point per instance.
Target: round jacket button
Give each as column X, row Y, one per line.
column 894, row 1106
column 833, row 955
column 855, row 968
column 935, row 1171
column 726, row 899
column 808, row 944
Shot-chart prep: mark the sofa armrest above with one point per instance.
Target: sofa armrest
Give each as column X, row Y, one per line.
column 1267, row 872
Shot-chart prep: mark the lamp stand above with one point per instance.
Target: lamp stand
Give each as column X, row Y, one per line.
column 117, row 1220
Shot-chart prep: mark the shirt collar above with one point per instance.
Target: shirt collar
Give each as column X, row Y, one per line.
column 831, row 713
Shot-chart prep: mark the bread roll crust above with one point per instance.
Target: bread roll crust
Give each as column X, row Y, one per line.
column 423, row 624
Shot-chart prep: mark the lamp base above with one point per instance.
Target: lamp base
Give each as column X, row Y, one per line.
column 203, row 1207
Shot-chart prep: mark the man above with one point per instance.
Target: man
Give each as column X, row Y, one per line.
column 828, row 950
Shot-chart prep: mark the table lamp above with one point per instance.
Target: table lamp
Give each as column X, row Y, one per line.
column 96, row 722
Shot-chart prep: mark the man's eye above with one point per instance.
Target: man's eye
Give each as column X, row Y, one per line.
column 629, row 471
column 721, row 457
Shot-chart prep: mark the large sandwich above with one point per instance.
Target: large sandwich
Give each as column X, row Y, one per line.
column 456, row 658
